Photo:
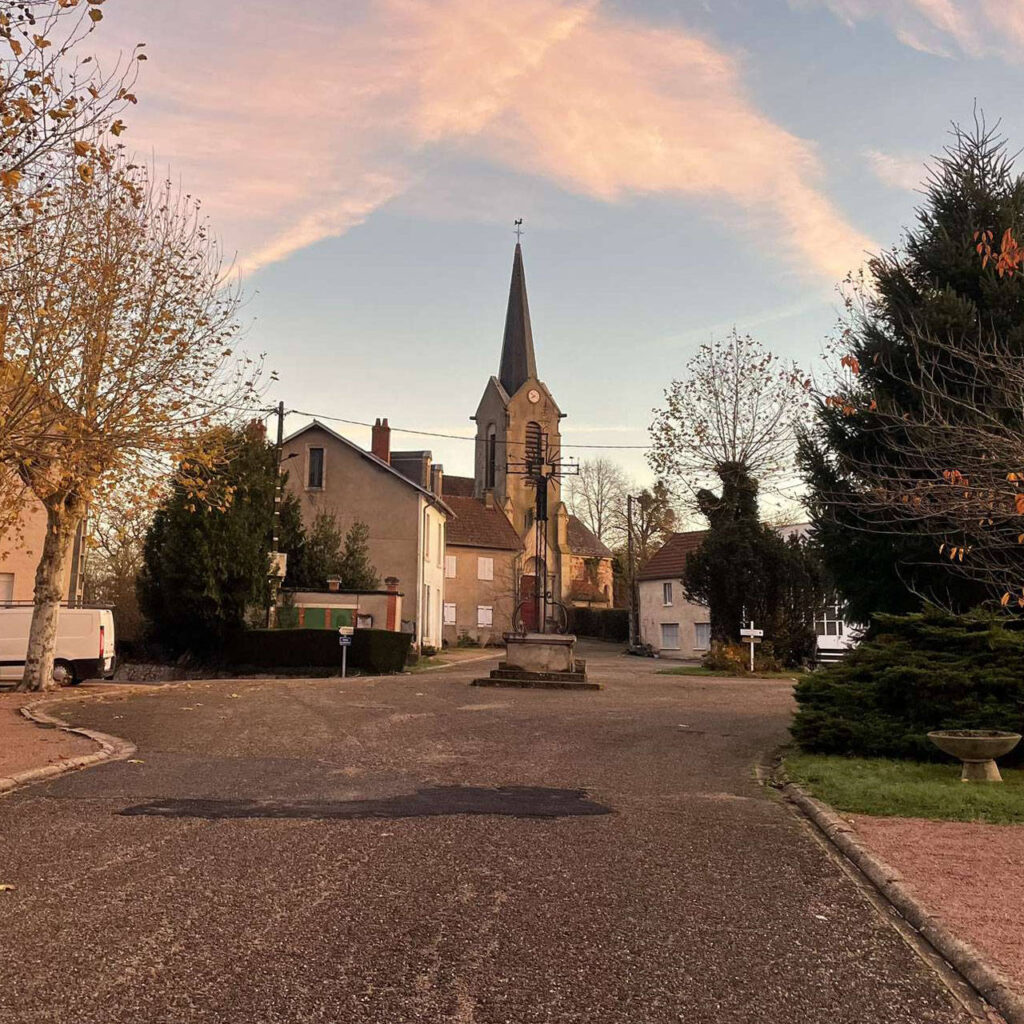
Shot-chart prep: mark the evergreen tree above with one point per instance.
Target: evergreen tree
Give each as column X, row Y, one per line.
column 319, row 555
column 744, row 570
column 205, row 564
column 356, row 570
column 933, row 285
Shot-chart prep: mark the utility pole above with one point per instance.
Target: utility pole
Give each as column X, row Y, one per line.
column 632, row 572
column 276, row 530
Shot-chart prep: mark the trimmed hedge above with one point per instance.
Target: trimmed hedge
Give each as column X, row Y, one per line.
column 915, row 673
column 378, row 651
column 600, row 623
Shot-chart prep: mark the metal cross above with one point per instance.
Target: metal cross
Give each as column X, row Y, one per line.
column 519, row 229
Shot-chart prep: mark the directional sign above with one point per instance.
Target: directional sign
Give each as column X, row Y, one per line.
column 346, row 630
column 751, row 632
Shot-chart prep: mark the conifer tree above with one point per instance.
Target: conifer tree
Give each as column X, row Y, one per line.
column 357, row 571
column 925, row 300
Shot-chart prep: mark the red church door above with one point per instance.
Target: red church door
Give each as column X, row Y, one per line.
column 528, row 599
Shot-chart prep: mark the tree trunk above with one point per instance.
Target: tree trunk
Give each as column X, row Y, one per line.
column 61, row 524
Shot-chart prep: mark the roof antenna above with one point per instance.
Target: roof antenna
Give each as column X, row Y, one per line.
column 519, row 229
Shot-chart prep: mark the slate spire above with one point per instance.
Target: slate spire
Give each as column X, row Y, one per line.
column 518, row 362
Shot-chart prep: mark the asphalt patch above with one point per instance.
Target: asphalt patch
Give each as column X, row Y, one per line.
column 509, row 801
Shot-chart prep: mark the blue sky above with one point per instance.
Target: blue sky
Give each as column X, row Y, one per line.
column 681, row 167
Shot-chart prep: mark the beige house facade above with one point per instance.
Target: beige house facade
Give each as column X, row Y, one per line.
column 673, row 626
column 21, row 544
column 407, row 521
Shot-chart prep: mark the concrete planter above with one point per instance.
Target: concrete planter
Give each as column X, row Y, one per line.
column 978, row 749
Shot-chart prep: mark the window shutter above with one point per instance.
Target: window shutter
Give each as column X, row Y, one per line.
column 485, row 568
column 450, row 567
column 449, row 614
column 484, row 616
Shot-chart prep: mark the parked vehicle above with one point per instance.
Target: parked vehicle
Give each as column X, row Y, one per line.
column 85, row 644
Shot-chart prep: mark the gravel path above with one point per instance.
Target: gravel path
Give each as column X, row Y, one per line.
column 413, row 849
column 970, row 874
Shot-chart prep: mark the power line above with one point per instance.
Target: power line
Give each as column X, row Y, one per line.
column 453, row 437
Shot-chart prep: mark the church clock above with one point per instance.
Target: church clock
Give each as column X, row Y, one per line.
column 533, row 395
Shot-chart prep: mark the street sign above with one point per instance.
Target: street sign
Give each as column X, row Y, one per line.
column 345, row 640
column 752, row 632
column 346, row 630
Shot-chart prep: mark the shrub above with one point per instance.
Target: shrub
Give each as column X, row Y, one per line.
column 600, row 623
column 915, row 673
column 372, row 650
column 735, row 659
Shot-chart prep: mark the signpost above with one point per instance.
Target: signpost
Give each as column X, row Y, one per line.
column 345, row 640
column 754, row 636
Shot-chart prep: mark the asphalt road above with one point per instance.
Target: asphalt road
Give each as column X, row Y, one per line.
column 413, row 849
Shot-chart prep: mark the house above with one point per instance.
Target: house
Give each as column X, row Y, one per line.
column 400, row 503
column 678, row 628
column 21, row 543
column 672, row 625
column 499, row 549
column 482, row 563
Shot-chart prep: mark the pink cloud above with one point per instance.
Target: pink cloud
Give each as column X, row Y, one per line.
column 974, row 28
column 296, row 131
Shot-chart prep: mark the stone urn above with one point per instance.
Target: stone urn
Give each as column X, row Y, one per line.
column 978, row 749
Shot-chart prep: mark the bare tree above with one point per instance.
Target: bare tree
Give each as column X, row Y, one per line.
column 597, row 496
column 116, row 333
column 737, row 404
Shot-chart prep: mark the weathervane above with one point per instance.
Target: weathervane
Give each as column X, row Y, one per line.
column 519, row 229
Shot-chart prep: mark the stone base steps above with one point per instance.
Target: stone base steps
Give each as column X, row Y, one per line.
column 537, row 680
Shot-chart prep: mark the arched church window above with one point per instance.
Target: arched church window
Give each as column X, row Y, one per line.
column 534, row 446
column 492, row 456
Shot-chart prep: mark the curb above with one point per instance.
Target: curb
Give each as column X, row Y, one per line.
column 968, row 961
column 112, row 748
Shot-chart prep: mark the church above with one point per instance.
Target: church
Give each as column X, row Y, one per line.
column 511, row 535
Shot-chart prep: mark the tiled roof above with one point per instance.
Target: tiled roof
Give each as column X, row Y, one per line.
column 669, row 561
column 458, row 486
column 477, row 526
column 583, row 542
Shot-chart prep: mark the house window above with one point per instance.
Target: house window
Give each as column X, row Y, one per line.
column 670, row 636
column 426, row 536
column 666, row 594
column 702, row 635
column 426, row 611
column 450, row 566
column 364, row 622
column 449, row 614
column 528, row 518
column 6, row 587
column 440, row 542
column 315, row 476
column 485, row 568
column 484, row 616
column 829, row 621
column 491, row 455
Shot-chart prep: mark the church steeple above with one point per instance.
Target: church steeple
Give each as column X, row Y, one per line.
column 518, row 362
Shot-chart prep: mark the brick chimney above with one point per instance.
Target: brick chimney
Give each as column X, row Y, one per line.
column 437, row 478
column 394, row 604
column 381, row 443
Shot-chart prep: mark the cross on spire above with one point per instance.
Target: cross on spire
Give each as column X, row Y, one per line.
column 519, row 229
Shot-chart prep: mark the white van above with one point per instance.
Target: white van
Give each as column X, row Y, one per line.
column 85, row 644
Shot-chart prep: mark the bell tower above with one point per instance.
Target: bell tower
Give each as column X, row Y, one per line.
column 517, row 416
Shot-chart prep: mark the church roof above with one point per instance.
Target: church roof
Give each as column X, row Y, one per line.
column 582, row 541
column 518, row 362
column 477, row 526
column 458, row 486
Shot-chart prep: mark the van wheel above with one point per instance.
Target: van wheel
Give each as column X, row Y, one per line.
column 64, row 674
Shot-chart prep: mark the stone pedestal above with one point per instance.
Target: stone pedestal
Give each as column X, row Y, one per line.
column 542, row 661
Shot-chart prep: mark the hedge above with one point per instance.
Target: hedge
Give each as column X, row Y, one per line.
column 600, row 623
column 915, row 673
column 373, row 650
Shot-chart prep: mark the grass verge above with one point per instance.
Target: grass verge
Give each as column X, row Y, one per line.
column 908, row 789
column 699, row 670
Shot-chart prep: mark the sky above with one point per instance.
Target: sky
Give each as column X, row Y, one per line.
column 681, row 167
